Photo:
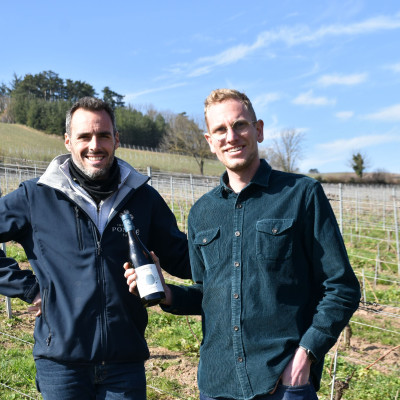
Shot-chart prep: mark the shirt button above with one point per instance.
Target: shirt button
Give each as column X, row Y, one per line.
column 240, row 359
column 237, row 233
column 274, row 231
column 236, row 296
column 205, row 240
column 235, row 328
column 236, row 264
column 239, row 206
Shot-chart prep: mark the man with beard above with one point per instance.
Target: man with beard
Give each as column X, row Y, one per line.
column 89, row 331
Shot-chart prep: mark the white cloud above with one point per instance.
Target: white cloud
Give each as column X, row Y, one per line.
column 359, row 142
column 344, row 114
column 133, row 96
column 336, row 79
column 360, row 28
column 200, row 71
column 338, row 150
column 394, row 67
column 291, row 36
column 309, row 99
column 389, row 114
column 226, row 57
column 274, row 130
column 263, row 100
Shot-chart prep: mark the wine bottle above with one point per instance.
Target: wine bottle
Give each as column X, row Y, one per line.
column 148, row 280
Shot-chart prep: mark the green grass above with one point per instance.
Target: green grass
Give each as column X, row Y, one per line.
column 173, row 332
column 390, row 295
column 19, row 141
column 17, row 368
column 25, row 143
column 384, row 335
column 365, row 384
column 16, row 252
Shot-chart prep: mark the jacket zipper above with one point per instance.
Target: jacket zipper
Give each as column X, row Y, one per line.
column 78, row 228
column 103, row 317
column 44, row 314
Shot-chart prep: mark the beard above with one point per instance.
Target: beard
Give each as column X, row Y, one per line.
column 96, row 173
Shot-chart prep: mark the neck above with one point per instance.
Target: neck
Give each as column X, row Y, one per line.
column 98, row 189
column 238, row 180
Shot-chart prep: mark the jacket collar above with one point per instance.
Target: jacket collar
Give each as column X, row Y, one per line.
column 55, row 177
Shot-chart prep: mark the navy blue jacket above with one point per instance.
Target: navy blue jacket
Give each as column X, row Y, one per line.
column 88, row 314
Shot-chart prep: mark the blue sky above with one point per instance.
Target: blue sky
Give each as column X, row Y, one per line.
column 330, row 69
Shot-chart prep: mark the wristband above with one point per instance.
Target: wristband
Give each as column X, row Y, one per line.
column 310, row 355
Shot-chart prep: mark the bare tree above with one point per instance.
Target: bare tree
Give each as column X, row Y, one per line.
column 286, row 150
column 184, row 135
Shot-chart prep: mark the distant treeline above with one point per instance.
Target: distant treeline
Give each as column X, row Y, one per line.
column 42, row 100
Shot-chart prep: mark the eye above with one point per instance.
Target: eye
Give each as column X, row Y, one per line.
column 221, row 130
column 105, row 135
column 84, row 137
column 240, row 125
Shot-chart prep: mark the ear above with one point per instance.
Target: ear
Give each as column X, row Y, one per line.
column 67, row 141
column 260, row 130
column 117, row 142
column 210, row 142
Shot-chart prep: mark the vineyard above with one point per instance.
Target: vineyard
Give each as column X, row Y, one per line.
column 365, row 362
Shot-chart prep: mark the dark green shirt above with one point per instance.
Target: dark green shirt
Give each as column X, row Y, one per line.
column 271, row 273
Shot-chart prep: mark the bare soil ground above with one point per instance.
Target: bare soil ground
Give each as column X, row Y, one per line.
column 173, row 366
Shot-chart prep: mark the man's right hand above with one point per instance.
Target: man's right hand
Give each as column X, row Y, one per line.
column 37, row 305
column 131, row 277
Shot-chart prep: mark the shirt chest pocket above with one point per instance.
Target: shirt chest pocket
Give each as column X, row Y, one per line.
column 274, row 239
column 208, row 244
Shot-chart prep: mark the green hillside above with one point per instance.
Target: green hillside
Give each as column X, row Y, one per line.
column 19, row 141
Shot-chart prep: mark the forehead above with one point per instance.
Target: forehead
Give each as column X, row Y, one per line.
column 90, row 121
column 227, row 111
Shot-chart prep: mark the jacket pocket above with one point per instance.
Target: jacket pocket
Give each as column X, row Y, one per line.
column 208, row 243
column 274, row 238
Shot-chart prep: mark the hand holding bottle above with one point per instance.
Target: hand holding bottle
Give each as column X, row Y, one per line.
column 148, row 281
column 131, row 277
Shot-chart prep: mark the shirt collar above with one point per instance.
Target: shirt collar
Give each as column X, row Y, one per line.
column 260, row 178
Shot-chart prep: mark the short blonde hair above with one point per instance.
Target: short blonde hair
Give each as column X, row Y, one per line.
column 221, row 95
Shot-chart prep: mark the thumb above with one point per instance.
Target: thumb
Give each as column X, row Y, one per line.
column 127, row 265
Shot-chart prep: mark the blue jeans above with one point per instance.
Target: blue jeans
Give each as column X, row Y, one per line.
column 304, row 392
column 63, row 381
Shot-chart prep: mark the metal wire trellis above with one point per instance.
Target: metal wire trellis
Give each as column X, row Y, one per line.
column 360, row 210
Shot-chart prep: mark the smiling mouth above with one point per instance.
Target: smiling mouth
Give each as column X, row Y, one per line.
column 235, row 149
column 95, row 158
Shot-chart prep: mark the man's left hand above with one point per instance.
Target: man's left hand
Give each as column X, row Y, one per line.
column 297, row 372
column 37, row 305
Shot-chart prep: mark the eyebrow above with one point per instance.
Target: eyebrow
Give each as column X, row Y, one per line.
column 96, row 133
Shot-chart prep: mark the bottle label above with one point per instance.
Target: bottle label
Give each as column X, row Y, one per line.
column 148, row 281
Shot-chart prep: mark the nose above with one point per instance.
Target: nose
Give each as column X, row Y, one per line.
column 94, row 142
column 230, row 134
